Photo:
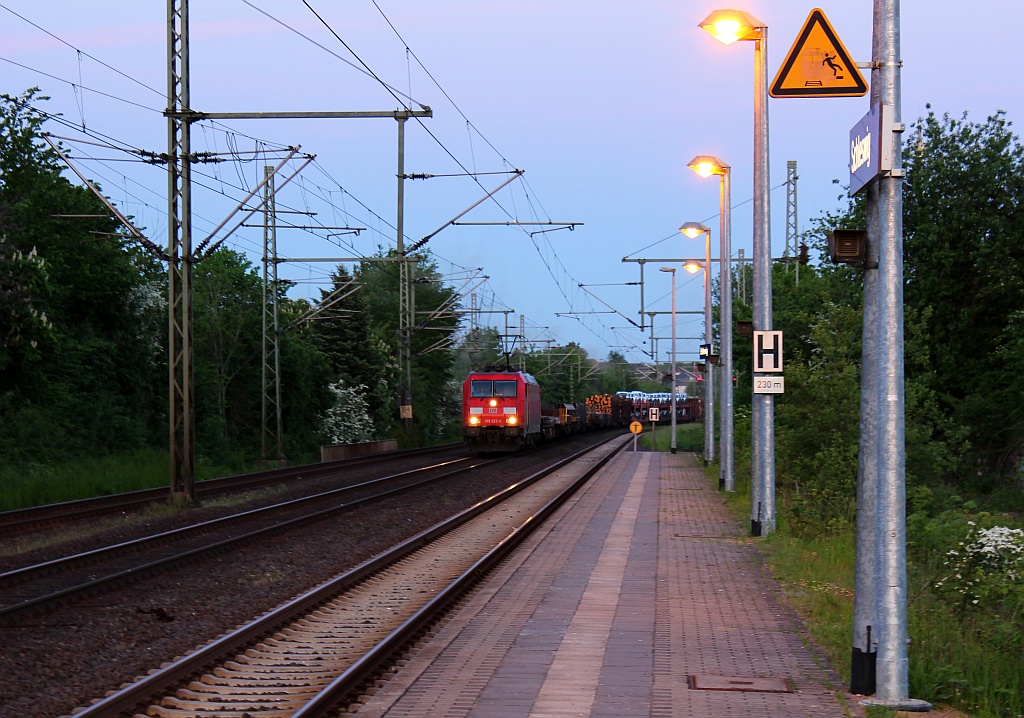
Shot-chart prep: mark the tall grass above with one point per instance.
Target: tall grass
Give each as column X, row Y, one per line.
column 689, row 437
column 817, row 578
column 971, row 662
column 37, row 484
column 961, row 662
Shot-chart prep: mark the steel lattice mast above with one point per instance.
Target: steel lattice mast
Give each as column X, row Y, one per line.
column 273, row 430
column 179, row 250
column 792, row 242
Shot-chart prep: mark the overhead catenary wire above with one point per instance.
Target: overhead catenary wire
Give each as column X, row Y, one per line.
column 77, row 86
column 138, row 154
column 82, row 52
column 399, row 96
column 215, row 179
column 705, row 220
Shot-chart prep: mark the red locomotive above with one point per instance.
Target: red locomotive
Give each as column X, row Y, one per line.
column 501, row 410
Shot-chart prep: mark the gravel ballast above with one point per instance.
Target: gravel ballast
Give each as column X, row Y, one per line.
column 63, row 660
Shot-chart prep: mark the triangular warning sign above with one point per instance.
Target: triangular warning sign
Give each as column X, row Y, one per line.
column 818, row 65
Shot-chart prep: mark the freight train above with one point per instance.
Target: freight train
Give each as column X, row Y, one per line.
column 502, row 412
column 688, row 409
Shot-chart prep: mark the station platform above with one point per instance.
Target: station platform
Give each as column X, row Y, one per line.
column 640, row 597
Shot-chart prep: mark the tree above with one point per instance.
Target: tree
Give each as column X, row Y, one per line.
column 22, row 325
column 306, row 377
column 227, row 316
column 347, row 420
column 95, row 380
column 480, row 347
column 818, row 418
column 435, row 396
column 964, row 268
column 358, row 357
column 614, row 375
column 563, row 373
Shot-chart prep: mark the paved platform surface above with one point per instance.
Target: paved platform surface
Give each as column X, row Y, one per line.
column 641, row 597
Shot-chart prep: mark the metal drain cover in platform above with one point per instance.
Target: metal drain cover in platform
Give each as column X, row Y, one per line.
column 706, row 682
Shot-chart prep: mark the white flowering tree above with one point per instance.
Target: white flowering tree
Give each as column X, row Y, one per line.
column 348, row 420
column 21, row 323
column 986, row 570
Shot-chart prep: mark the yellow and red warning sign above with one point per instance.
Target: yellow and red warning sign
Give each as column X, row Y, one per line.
column 818, row 64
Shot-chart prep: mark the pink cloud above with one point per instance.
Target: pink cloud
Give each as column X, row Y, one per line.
column 94, row 40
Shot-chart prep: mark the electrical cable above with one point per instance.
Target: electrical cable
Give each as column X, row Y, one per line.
column 230, row 133
column 80, row 52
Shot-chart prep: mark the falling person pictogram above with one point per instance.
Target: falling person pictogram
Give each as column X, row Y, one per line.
column 830, row 61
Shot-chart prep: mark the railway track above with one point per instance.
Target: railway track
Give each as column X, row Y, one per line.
column 315, row 654
column 50, row 515
column 62, row 581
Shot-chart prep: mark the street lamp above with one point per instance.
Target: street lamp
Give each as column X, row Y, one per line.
column 729, row 26
column 706, row 166
column 672, row 270
column 694, row 230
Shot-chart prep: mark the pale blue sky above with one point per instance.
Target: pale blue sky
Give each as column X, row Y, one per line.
column 601, row 103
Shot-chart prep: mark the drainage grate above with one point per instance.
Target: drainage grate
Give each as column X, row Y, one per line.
column 749, row 684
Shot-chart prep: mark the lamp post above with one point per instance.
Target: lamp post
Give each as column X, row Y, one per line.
column 705, row 166
column 694, row 230
column 728, row 26
column 672, row 271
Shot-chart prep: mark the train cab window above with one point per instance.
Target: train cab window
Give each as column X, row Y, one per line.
column 481, row 389
column 486, row 388
column 505, row 388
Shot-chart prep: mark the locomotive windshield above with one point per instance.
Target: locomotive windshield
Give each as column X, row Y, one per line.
column 505, row 388
column 486, row 388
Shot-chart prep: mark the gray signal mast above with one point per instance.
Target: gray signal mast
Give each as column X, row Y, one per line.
column 181, row 257
column 272, row 427
column 792, row 250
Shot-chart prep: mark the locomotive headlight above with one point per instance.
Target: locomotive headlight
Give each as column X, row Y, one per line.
column 474, row 420
column 494, row 402
column 511, row 420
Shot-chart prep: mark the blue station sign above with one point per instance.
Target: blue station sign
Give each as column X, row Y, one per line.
column 871, row 143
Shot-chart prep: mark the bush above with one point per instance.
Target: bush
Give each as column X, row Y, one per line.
column 985, row 572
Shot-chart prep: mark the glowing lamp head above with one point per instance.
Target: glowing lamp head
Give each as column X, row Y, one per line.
column 474, row 420
column 693, row 266
column 693, row 229
column 727, row 30
column 494, row 402
column 707, row 165
column 704, row 169
column 728, row 26
column 511, row 420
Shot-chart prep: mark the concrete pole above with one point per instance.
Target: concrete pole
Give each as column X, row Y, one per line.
column 709, row 384
column 891, row 662
column 865, row 590
column 762, row 519
column 728, row 480
column 673, row 382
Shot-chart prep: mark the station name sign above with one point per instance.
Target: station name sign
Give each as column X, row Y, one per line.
column 871, row 146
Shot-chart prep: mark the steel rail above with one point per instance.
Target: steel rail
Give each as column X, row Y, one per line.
column 158, row 683
column 349, row 682
column 95, row 584
column 17, row 520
